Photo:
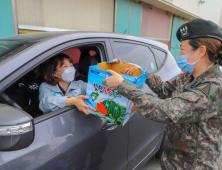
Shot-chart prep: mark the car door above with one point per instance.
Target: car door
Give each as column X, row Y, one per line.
column 143, row 134
column 67, row 138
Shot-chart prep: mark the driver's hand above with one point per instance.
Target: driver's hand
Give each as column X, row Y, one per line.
column 128, row 71
column 79, row 102
column 119, row 60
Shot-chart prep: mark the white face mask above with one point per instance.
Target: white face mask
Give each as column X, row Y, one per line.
column 68, row 75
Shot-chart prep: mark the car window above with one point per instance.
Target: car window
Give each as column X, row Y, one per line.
column 25, row 91
column 160, row 54
column 74, row 54
column 135, row 53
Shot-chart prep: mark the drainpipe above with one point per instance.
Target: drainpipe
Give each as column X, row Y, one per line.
column 14, row 14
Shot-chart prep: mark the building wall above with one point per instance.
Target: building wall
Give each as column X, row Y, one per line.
column 175, row 43
column 22, row 31
column 128, row 17
column 155, row 23
column 141, row 20
column 220, row 21
column 6, row 18
column 85, row 15
column 170, row 1
column 210, row 10
column 135, row 18
column 122, row 16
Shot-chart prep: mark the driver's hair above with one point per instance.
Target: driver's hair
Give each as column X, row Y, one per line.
column 50, row 66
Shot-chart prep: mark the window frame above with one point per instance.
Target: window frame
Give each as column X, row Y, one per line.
column 112, row 42
column 160, row 49
column 19, row 73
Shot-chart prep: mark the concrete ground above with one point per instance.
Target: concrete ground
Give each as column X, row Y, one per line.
column 154, row 164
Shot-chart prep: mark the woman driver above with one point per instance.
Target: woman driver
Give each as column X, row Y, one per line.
column 60, row 89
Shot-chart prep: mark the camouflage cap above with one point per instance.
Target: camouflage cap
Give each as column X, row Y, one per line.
column 199, row 28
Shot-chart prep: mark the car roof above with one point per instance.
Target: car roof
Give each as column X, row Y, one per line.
column 47, row 40
column 42, row 36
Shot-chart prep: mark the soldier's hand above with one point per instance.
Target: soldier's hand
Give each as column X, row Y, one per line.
column 114, row 80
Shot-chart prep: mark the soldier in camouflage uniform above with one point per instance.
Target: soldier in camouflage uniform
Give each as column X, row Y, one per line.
column 190, row 105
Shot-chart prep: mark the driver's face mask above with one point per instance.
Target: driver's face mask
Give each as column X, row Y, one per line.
column 68, row 75
column 184, row 66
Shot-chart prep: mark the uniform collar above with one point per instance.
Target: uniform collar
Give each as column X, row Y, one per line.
column 210, row 73
column 72, row 86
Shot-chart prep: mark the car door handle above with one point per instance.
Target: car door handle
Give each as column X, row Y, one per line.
column 109, row 126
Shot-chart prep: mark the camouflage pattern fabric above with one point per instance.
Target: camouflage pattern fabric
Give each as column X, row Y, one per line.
column 193, row 111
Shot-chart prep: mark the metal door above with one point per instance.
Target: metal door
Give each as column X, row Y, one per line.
column 122, row 16
column 128, row 17
column 135, row 19
column 6, row 18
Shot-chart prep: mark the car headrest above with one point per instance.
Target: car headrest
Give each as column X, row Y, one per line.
column 85, row 61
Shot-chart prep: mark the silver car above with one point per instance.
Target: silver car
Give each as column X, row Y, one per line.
column 67, row 138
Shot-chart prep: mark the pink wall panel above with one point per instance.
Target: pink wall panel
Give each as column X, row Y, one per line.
column 170, row 1
column 145, row 21
column 220, row 22
column 155, row 23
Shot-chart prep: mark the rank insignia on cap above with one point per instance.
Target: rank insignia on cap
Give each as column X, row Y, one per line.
column 184, row 31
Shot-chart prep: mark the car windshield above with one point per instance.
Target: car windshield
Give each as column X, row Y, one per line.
column 9, row 48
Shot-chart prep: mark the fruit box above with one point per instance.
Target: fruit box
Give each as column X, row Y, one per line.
column 108, row 103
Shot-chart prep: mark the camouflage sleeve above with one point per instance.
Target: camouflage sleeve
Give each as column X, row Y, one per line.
column 188, row 107
column 162, row 89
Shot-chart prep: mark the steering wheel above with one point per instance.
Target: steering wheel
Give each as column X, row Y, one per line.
column 9, row 101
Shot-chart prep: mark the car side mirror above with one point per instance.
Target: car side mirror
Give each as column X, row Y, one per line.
column 16, row 129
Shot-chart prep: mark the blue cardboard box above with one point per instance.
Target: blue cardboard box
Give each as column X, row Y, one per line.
column 108, row 103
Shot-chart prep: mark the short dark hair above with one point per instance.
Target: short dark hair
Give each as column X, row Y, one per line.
column 50, row 66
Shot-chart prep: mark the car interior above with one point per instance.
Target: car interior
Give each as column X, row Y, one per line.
column 83, row 57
